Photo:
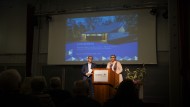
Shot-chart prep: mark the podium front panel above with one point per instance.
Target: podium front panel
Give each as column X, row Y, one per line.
column 101, row 76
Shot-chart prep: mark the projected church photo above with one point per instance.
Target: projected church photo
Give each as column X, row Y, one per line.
column 113, row 33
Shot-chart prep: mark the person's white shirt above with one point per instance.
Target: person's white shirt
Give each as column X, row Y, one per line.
column 89, row 69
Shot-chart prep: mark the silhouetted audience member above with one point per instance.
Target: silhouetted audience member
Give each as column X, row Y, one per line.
column 81, row 88
column 26, row 86
column 10, row 96
column 56, row 92
column 126, row 96
column 80, row 98
column 38, row 85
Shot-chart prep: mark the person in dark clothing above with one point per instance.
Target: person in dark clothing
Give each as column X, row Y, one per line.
column 87, row 74
column 126, row 96
column 58, row 94
column 10, row 95
column 80, row 97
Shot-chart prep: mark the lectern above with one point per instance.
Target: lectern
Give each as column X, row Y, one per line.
column 104, row 81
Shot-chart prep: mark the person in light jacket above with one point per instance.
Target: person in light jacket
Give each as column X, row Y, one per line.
column 115, row 66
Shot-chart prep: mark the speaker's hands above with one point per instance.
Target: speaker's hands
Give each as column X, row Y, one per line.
column 88, row 74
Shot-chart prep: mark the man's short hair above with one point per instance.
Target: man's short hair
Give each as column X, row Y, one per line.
column 90, row 56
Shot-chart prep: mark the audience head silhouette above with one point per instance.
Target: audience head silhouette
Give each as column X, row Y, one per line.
column 126, row 96
column 55, row 83
column 38, row 83
column 81, row 88
column 26, row 86
column 81, row 98
column 127, row 89
column 10, row 80
column 10, row 96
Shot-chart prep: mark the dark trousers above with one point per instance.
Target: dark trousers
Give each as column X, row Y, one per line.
column 91, row 87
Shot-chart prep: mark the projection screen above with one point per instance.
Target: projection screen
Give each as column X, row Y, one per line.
column 128, row 34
